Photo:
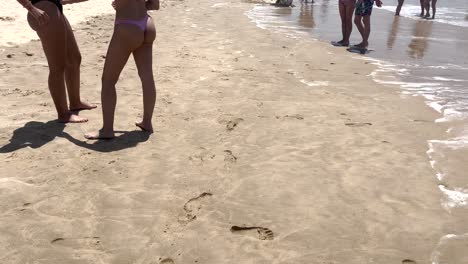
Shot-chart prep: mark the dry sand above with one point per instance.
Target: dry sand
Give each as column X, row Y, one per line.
column 330, row 172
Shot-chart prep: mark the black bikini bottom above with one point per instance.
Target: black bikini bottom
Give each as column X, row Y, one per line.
column 56, row 2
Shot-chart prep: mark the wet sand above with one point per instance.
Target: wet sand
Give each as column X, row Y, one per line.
column 267, row 150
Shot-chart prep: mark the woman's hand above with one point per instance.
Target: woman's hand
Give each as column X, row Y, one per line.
column 152, row 4
column 41, row 17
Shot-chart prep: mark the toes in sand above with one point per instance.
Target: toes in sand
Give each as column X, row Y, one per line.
column 100, row 135
column 72, row 118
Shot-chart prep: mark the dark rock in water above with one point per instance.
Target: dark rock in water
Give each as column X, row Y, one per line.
column 284, row 3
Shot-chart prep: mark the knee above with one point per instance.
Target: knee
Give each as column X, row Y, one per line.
column 57, row 70
column 74, row 61
column 357, row 20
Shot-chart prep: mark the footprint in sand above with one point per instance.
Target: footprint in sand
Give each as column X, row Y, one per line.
column 358, row 124
column 263, row 233
column 295, row 116
column 192, row 208
column 167, row 261
column 77, row 242
column 231, row 124
column 229, row 158
column 408, row 261
column 202, row 156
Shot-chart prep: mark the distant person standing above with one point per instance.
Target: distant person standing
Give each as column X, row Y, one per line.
column 427, row 6
column 362, row 21
column 346, row 8
column 398, row 9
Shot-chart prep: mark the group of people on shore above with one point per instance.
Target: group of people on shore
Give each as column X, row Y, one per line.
column 426, row 5
column 134, row 34
column 362, row 10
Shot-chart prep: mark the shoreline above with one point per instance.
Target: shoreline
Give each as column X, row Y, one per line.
column 252, row 129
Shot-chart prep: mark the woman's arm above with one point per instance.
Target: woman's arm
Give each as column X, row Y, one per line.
column 41, row 16
column 152, row 4
column 67, row 2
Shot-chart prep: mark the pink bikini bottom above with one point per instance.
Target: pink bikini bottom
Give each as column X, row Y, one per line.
column 142, row 23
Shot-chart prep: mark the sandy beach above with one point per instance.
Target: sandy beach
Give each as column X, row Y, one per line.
column 267, row 150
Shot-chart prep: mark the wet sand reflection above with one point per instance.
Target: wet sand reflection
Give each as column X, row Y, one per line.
column 421, row 32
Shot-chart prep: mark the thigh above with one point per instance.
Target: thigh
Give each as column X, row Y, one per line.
column 342, row 8
column 350, row 10
column 144, row 54
column 144, row 60
column 121, row 46
column 52, row 35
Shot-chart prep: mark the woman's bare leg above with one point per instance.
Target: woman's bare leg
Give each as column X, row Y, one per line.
column 72, row 71
column 342, row 9
column 53, row 39
column 125, row 40
column 349, row 20
column 422, row 3
column 434, row 3
column 427, row 6
column 144, row 61
column 400, row 4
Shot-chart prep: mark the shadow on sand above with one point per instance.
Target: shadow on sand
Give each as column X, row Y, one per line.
column 36, row 134
column 126, row 139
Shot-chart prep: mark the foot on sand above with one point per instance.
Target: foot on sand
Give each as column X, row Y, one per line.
column 72, row 118
column 362, row 45
column 408, row 261
column 148, row 127
column 101, row 134
column 263, row 233
column 192, row 207
column 340, row 43
column 82, row 106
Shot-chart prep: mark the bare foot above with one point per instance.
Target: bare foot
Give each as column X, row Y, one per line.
column 144, row 126
column 82, row 106
column 359, row 46
column 101, row 134
column 73, row 119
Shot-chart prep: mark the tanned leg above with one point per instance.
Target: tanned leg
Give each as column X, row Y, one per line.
column 400, row 4
column 72, row 71
column 53, row 39
column 144, row 60
column 360, row 27
column 367, row 30
column 342, row 9
column 125, row 40
column 349, row 20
